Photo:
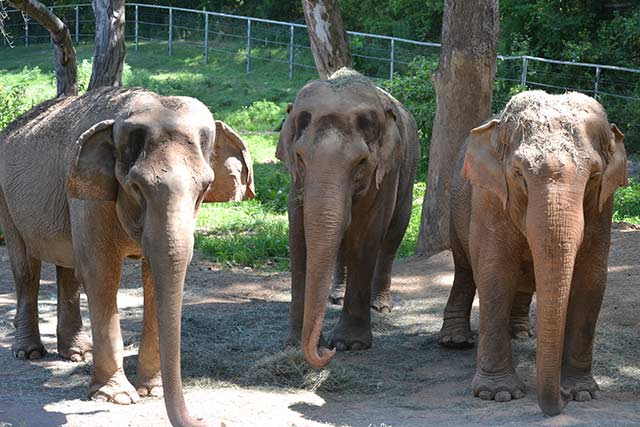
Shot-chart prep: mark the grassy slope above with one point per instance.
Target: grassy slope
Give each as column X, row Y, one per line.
column 253, row 233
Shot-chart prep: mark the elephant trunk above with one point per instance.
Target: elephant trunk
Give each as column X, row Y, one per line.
column 555, row 231
column 168, row 247
column 326, row 207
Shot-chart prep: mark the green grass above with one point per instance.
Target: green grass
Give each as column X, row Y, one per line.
column 253, row 233
column 626, row 204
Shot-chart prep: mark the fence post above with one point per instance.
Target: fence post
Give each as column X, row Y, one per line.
column 291, row 50
column 523, row 79
column 77, row 24
column 26, row 29
column 170, row 31
column 136, row 28
column 393, row 54
column 206, row 37
column 248, row 45
column 597, row 85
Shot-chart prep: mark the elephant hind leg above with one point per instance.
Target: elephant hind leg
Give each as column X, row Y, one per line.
column 26, row 274
column 381, row 285
column 336, row 294
column 520, row 324
column 456, row 325
column 73, row 342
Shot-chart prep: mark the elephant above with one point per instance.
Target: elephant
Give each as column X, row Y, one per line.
column 352, row 151
column 86, row 181
column 531, row 208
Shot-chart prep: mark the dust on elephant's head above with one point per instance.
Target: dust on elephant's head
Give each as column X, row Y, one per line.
column 344, row 125
column 160, row 151
column 541, row 140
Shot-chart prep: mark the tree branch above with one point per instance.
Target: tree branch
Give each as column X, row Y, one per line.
column 64, row 52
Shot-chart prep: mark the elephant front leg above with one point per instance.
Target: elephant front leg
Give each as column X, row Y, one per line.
column 495, row 376
column 298, row 261
column 73, row 342
column 587, row 292
column 353, row 331
column 101, row 276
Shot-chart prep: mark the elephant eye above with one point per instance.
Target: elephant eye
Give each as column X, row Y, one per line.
column 303, row 120
column 367, row 126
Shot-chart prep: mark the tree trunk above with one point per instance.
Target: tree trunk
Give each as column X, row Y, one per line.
column 109, row 50
column 64, row 52
column 328, row 37
column 463, row 84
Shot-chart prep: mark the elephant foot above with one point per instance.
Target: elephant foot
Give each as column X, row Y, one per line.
column 521, row 329
column 456, row 333
column 116, row 389
column 30, row 348
column 582, row 388
column 382, row 303
column 498, row 387
column 294, row 340
column 351, row 336
column 77, row 349
column 150, row 386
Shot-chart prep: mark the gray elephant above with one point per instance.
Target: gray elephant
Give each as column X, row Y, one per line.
column 88, row 181
column 531, row 207
column 352, row 150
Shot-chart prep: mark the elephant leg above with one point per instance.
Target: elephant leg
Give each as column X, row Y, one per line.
column 353, row 331
column 336, row 294
column 149, row 381
column 456, row 326
column 381, row 285
column 73, row 342
column 585, row 299
column 298, row 249
column 520, row 323
column 26, row 274
column 497, row 282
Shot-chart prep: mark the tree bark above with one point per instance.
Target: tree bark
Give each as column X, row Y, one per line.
column 463, row 84
column 64, row 52
column 109, row 51
column 328, row 36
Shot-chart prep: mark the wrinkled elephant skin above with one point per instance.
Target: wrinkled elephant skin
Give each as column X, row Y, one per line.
column 352, row 150
column 88, row 181
column 531, row 204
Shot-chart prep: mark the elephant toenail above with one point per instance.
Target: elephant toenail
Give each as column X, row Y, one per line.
column 356, row 346
column 385, row 310
column 583, row 396
column 35, row 354
column 503, row 396
column 485, row 395
column 340, row 346
column 518, row 394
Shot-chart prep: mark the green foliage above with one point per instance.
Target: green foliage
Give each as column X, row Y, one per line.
column 12, row 103
column 408, row 245
column 259, row 116
column 415, row 91
column 626, row 203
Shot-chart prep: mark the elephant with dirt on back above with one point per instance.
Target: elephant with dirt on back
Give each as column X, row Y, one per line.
column 352, row 150
column 531, row 208
column 88, row 181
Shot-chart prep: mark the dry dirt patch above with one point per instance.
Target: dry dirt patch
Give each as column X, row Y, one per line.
column 233, row 367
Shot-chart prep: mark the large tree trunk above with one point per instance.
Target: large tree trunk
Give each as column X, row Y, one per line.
column 328, row 37
column 64, row 52
column 464, row 85
column 109, row 50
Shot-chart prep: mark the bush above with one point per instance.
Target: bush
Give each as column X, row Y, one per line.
column 259, row 116
column 13, row 102
column 626, row 203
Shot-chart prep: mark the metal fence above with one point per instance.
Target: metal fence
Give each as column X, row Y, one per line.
column 383, row 57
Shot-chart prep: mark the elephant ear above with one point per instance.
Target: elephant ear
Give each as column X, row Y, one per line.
column 482, row 163
column 391, row 139
column 284, row 142
column 92, row 174
column 232, row 168
column 615, row 174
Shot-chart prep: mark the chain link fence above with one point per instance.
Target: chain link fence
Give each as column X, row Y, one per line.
column 380, row 57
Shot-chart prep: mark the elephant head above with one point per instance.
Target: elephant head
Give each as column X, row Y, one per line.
column 553, row 163
column 338, row 141
column 156, row 162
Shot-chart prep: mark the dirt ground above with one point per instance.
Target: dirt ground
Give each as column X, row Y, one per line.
column 233, row 367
